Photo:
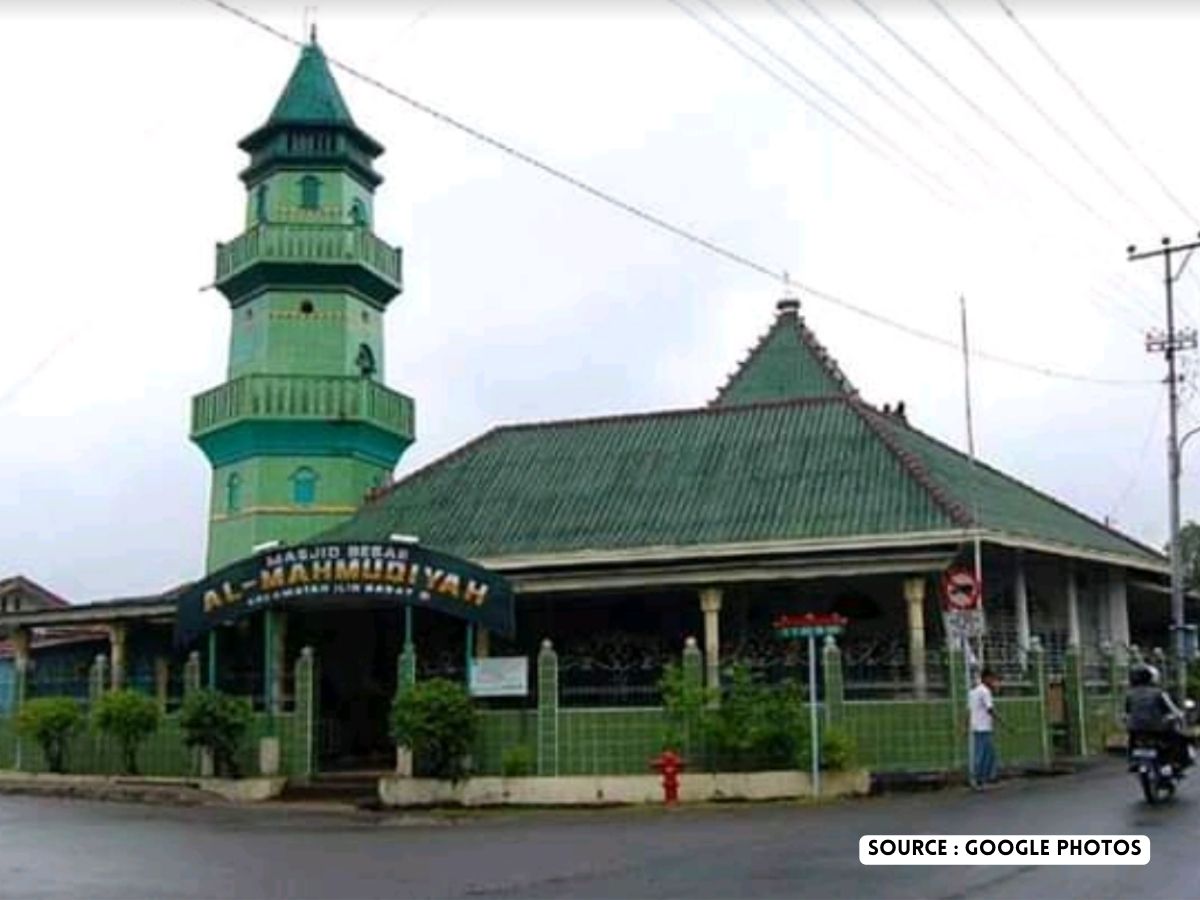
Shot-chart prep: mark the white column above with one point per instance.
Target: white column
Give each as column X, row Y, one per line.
column 1073, row 636
column 116, row 641
column 1118, row 611
column 914, row 596
column 1021, row 601
column 710, row 605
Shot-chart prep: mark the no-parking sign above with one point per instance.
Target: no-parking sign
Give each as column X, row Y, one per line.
column 960, row 590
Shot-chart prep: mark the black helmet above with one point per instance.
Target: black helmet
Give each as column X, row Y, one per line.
column 1142, row 675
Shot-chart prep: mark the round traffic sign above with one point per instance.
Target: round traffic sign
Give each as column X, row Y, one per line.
column 960, row 590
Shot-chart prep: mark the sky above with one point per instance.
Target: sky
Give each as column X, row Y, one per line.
column 897, row 175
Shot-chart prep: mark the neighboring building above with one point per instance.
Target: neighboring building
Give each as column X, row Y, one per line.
column 623, row 535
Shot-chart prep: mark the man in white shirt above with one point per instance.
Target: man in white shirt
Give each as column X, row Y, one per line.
column 982, row 717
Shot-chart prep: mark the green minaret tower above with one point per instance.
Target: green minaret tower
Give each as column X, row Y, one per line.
column 303, row 428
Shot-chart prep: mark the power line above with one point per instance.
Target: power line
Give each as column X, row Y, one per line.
column 1140, row 465
column 1024, row 204
column 1037, row 107
column 682, row 233
column 891, row 79
column 882, row 138
column 1095, row 111
column 983, row 114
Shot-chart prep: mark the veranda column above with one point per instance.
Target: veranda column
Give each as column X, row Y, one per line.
column 116, row 640
column 1118, row 614
column 1073, row 634
column 1021, row 602
column 19, row 638
column 483, row 643
column 710, row 605
column 914, row 596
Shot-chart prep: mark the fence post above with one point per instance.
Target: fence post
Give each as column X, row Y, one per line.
column 1037, row 666
column 406, row 677
column 547, row 712
column 835, row 685
column 956, row 675
column 304, row 716
column 1076, row 700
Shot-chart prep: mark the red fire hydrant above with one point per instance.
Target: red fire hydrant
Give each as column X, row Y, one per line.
column 669, row 764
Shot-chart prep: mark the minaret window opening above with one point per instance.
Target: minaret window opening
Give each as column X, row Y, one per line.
column 365, row 360
column 358, row 213
column 310, row 192
column 233, row 493
column 260, row 204
column 304, row 486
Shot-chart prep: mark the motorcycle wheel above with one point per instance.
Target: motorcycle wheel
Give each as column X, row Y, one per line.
column 1149, row 782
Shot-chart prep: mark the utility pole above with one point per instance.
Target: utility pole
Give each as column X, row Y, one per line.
column 1169, row 344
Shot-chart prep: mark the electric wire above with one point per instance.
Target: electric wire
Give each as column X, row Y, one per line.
column 684, row 234
column 985, row 116
column 1095, row 110
column 926, row 174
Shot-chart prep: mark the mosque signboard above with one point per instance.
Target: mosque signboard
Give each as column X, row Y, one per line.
column 402, row 574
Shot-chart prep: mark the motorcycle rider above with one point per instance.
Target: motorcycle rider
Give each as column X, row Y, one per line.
column 1151, row 713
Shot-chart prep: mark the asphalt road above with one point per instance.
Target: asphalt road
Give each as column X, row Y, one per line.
column 72, row 848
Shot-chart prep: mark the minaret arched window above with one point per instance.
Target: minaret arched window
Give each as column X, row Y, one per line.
column 260, row 203
column 358, row 213
column 310, row 192
column 304, row 486
column 365, row 360
column 233, row 493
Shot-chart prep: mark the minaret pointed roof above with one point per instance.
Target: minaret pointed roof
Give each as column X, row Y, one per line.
column 311, row 96
column 788, row 363
column 311, row 101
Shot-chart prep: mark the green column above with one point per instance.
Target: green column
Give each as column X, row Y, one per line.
column 547, row 713
column 1074, row 691
column 1037, row 669
column 956, row 674
column 212, row 660
column 300, row 757
column 835, row 685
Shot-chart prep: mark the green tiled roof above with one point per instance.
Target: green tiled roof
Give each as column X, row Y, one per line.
column 793, row 470
column 311, row 96
column 787, row 452
column 787, row 364
column 1007, row 505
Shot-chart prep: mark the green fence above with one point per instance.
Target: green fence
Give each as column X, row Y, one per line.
column 164, row 752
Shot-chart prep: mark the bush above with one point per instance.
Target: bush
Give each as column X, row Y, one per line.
column 838, row 750
column 436, row 721
column 129, row 717
column 517, row 761
column 51, row 722
column 758, row 726
column 684, row 705
column 216, row 722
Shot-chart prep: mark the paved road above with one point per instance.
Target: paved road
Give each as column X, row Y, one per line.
column 65, row 848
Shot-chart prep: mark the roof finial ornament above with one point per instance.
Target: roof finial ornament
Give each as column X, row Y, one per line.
column 790, row 304
column 311, row 12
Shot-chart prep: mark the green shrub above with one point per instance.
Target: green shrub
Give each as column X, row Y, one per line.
column 517, row 761
column 129, row 717
column 757, row 726
column 436, row 721
column 838, row 750
column 51, row 722
column 216, row 722
column 684, row 703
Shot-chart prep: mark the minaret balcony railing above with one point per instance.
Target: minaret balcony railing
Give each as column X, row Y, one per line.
column 309, row 253
column 339, row 398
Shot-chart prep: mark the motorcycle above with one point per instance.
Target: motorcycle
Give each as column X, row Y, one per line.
column 1158, row 769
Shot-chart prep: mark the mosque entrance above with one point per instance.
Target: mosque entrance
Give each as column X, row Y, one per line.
column 356, row 652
